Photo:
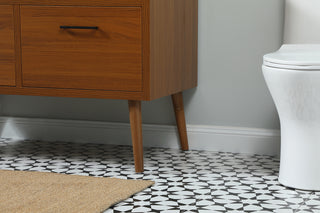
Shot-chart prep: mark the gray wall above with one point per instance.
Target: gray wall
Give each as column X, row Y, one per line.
column 233, row 37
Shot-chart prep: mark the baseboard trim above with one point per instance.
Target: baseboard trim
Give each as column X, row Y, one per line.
column 201, row 137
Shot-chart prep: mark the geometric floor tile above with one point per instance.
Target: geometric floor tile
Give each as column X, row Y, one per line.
column 185, row 181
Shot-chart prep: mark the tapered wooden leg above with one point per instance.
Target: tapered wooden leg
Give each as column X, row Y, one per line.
column 136, row 133
column 177, row 100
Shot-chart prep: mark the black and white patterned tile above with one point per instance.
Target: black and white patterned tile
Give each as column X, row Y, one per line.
column 192, row 181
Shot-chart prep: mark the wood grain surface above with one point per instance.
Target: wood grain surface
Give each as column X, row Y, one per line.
column 77, row 2
column 107, row 58
column 178, row 106
column 75, row 61
column 136, row 133
column 7, row 53
column 173, row 40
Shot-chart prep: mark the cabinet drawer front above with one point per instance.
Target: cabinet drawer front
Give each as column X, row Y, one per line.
column 7, row 58
column 82, row 47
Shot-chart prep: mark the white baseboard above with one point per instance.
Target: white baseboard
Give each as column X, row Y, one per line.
column 212, row 138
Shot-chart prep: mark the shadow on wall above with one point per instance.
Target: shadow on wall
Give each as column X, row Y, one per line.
column 201, row 137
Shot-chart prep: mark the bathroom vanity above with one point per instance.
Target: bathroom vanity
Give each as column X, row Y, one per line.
column 136, row 50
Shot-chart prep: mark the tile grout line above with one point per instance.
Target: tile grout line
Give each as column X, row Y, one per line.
column 245, row 183
column 304, row 201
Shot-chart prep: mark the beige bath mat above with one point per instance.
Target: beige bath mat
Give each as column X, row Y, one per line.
column 36, row 192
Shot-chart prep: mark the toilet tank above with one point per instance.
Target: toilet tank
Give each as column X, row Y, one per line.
column 302, row 21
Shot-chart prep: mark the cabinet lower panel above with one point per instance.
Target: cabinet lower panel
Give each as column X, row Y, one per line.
column 73, row 93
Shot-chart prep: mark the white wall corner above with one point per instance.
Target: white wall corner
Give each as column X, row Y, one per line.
column 210, row 138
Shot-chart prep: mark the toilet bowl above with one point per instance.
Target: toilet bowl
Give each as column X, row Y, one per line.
column 292, row 75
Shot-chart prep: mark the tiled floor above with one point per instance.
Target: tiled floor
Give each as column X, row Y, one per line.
column 192, row 181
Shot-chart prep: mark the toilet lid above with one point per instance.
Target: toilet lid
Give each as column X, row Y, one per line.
column 295, row 56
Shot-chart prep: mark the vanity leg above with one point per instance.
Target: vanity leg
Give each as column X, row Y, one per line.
column 136, row 133
column 177, row 100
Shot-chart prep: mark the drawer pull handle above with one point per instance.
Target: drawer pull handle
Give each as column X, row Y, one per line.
column 79, row 27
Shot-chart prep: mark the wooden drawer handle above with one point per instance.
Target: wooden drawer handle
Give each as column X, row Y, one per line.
column 79, row 27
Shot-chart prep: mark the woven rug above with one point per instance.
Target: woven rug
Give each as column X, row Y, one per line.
column 23, row 191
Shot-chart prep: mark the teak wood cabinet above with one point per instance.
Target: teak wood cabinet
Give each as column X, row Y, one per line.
column 137, row 50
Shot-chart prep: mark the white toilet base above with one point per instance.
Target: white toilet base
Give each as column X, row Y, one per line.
column 300, row 158
column 297, row 98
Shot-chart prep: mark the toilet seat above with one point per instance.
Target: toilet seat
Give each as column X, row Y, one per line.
column 303, row 57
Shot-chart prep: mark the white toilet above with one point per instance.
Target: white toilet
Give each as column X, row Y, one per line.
column 293, row 78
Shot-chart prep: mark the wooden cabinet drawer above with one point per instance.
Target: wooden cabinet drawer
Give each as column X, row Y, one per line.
column 7, row 57
column 106, row 58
